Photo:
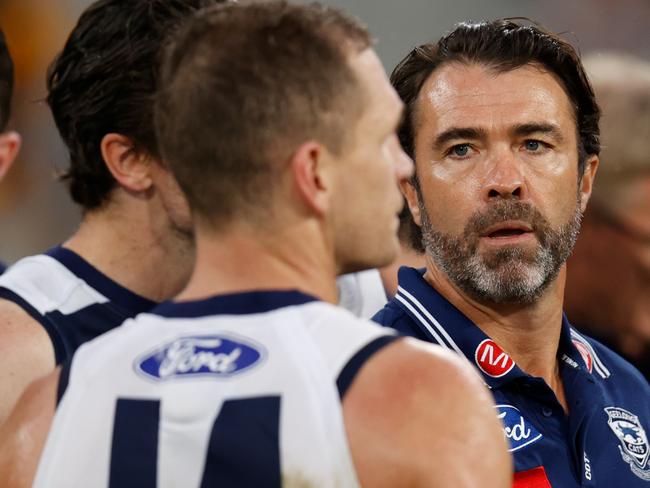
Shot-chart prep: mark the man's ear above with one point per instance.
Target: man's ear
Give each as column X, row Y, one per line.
column 309, row 167
column 9, row 147
column 130, row 168
column 410, row 193
column 587, row 183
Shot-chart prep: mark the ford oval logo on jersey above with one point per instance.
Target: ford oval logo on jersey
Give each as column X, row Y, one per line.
column 493, row 360
column 199, row 356
column 519, row 432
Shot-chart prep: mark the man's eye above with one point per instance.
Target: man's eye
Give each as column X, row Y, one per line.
column 532, row 145
column 460, row 150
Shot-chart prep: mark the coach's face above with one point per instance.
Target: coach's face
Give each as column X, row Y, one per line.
column 497, row 161
column 372, row 164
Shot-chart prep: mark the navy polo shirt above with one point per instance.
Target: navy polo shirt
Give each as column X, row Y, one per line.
column 602, row 442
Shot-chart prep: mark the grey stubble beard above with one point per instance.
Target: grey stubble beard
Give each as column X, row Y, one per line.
column 510, row 275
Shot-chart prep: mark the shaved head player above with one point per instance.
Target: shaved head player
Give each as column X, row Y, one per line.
column 279, row 123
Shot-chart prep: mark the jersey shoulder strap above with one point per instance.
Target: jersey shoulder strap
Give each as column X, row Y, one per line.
column 346, row 342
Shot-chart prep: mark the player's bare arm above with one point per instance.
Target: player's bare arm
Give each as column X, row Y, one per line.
column 23, row 434
column 26, row 353
column 419, row 416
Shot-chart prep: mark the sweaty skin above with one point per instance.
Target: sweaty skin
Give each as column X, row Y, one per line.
column 398, row 393
column 415, row 415
column 473, row 97
column 23, row 434
column 482, row 135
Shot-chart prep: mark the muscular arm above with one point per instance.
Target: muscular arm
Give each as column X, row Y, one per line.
column 23, row 435
column 420, row 416
column 26, row 353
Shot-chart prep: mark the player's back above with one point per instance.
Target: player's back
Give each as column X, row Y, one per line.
column 235, row 390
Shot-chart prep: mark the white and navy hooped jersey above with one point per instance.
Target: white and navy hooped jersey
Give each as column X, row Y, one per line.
column 240, row 390
column 73, row 301
column 602, row 442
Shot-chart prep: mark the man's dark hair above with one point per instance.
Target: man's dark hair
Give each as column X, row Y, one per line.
column 242, row 85
column 104, row 81
column 6, row 82
column 502, row 45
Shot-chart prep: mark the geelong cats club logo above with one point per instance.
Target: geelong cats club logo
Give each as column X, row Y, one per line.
column 198, row 356
column 633, row 442
column 492, row 360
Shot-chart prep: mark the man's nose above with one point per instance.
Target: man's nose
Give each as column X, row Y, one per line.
column 505, row 177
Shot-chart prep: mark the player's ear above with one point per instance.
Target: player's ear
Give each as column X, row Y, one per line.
column 9, row 147
column 130, row 168
column 587, row 182
column 410, row 194
column 309, row 167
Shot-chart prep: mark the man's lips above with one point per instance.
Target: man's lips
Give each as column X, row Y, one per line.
column 507, row 229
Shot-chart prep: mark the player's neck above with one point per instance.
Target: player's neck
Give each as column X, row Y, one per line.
column 243, row 259
column 530, row 334
column 126, row 244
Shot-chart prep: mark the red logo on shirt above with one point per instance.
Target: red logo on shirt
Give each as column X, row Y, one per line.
column 492, row 360
column 586, row 355
column 532, row 478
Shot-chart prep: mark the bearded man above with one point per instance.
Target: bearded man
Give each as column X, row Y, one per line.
column 280, row 208
column 503, row 126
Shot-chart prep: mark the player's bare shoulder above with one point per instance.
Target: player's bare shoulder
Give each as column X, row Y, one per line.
column 421, row 413
column 26, row 353
column 23, row 434
column 15, row 322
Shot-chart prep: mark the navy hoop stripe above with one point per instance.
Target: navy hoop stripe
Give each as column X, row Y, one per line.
column 352, row 367
column 99, row 281
column 64, row 376
column 244, row 303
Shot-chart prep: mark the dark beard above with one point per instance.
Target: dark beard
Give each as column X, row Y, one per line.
column 510, row 275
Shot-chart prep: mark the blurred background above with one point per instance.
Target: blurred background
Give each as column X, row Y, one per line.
column 35, row 212
column 609, row 275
